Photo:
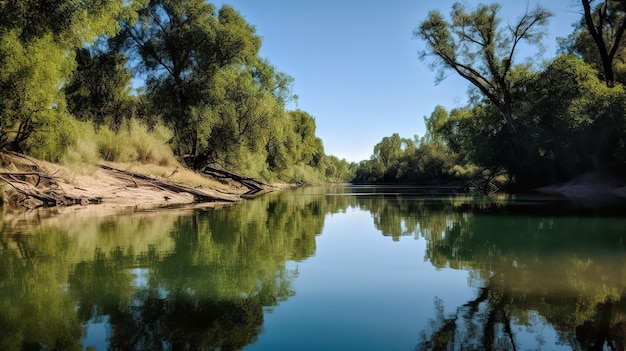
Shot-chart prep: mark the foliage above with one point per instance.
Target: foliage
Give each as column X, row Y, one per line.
column 559, row 121
column 99, row 88
column 474, row 45
column 66, row 61
column 606, row 26
column 184, row 46
column 577, row 123
column 36, row 40
column 135, row 143
column 602, row 44
column 66, row 69
column 401, row 160
column 29, row 98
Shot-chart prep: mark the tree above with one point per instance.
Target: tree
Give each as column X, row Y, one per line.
column 434, row 124
column 576, row 122
column 37, row 41
column 606, row 24
column 99, row 88
column 183, row 45
column 310, row 148
column 244, row 119
column 474, row 45
column 389, row 150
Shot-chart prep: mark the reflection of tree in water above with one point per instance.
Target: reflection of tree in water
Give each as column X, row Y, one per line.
column 208, row 292
column 33, row 310
column 202, row 280
column 196, row 281
column 488, row 323
column 472, row 327
column 424, row 216
column 566, row 270
column 182, row 321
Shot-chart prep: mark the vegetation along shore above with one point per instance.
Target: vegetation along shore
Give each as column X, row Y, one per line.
column 173, row 96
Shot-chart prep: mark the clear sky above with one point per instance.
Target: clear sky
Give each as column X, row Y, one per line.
column 356, row 65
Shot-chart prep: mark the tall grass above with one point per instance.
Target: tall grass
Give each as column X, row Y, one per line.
column 135, row 143
column 132, row 143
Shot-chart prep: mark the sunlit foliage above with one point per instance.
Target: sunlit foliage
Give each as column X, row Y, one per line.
column 185, row 66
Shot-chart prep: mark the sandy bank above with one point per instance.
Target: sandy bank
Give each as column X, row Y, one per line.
column 590, row 186
column 108, row 188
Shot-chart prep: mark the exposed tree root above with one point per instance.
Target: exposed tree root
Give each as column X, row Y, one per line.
column 31, row 190
column 254, row 186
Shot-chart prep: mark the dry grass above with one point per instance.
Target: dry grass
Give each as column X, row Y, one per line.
column 76, row 172
column 175, row 173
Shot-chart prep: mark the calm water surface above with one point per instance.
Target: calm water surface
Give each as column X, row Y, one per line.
column 354, row 268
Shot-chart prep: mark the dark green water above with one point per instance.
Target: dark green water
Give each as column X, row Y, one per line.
column 320, row 269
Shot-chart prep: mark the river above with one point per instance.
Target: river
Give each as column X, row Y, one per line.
column 338, row 268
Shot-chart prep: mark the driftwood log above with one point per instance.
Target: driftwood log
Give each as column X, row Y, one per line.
column 33, row 187
column 254, row 186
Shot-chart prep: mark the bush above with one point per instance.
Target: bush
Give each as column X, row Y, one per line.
column 135, row 143
column 51, row 141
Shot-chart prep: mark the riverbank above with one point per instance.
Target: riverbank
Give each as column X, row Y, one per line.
column 30, row 184
column 593, row 188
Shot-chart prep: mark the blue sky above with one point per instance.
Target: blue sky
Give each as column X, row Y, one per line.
column 356, row 65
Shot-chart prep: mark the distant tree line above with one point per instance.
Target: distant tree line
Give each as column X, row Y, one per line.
column 529, row 123
column 68, row 66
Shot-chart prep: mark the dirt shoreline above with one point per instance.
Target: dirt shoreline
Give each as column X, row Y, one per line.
column 110, row 189
column 31, row 185
column 590, row 186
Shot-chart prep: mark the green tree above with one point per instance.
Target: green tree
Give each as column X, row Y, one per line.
column 435, row 124
column 389, row 149
column 368, row 171
column 37, row 41
column 310, row 148
column 576, row 122
column 243, row 119
column 336, row 170
column 479, row 49
column 183, row 45
column 99, row 88
column 606, row 24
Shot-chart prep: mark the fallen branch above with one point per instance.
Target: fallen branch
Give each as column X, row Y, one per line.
column 253, row 185
column 198, row 194
column 31, row 196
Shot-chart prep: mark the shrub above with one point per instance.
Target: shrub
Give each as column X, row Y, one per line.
column 135, row 143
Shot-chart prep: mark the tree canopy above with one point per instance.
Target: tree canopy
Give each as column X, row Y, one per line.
column 77, row 76
column 525, row 124
column 69, row 66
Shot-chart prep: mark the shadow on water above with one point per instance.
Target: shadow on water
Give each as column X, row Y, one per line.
column 203, row 280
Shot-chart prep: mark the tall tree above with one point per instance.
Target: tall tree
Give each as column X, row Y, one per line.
column 37, row 43
column 182, row 46
column 389, row 150
column 99, row 88
column 479, row 49
column 606, row 23
column 310, row 148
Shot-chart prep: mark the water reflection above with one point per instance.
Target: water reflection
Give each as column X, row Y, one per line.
column 203, row 280
column 555, row 260
column 168, row 280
